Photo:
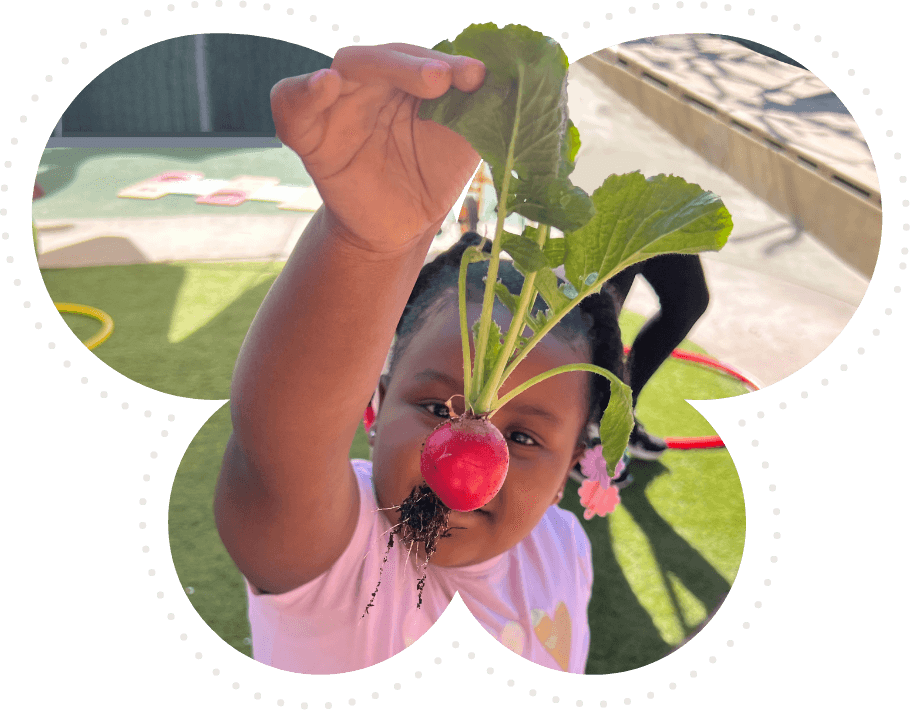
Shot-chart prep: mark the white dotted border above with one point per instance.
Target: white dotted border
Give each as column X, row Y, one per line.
column 12, row 249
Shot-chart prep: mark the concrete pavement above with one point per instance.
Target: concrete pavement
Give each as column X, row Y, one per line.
column 779, row 296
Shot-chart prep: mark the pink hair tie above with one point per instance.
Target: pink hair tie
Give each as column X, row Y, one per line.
column 598, row 494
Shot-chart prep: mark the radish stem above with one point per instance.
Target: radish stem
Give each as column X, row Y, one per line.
column 617, row 420
column 540, row 334
column 585, row 367
column 466, row 260
column 486, row 313
column 528, row 292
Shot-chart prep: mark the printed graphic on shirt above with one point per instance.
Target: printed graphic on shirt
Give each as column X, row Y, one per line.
column 513, row 637
column 555, row 633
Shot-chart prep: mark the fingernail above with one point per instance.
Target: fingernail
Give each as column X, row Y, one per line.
column 316, row 81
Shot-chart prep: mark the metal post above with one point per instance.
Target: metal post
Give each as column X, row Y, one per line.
column 202, row 86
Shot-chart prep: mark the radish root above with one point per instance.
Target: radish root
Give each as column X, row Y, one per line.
column 423, row 519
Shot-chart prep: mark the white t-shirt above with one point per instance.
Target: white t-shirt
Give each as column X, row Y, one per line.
column 533, row 598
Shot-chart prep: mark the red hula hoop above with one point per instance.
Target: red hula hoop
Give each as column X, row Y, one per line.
column 704, row 442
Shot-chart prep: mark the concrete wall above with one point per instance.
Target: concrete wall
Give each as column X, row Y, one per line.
column 843, row 214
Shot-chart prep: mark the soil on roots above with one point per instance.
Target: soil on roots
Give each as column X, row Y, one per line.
column 423, row 520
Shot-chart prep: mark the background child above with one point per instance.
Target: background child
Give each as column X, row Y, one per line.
column 678, row 281
column 308, row 528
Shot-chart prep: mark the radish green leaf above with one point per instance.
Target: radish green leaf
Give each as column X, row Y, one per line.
column 518, row 122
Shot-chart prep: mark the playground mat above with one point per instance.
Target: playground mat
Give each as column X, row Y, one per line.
column 225, row 193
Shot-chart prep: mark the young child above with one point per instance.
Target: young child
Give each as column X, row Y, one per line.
column 308, row 528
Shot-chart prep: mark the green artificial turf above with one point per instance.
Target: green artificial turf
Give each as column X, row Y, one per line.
column 663, row 560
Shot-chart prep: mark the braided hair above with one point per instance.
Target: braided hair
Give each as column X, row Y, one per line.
column 595, row 320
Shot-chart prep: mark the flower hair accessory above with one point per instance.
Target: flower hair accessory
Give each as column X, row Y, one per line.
column 597, row 493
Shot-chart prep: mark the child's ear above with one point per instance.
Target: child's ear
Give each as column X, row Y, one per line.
column 577, row 456
column 562, row 489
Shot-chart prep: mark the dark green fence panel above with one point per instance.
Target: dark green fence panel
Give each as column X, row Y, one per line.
column 242, row 70
column 155, row 91
column 152, row 91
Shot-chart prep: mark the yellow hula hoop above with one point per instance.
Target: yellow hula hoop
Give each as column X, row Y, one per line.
column 107, row 323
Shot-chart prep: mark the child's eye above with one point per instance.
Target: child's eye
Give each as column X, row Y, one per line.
column 441, row 408
column 530, row 440
column 442, row 412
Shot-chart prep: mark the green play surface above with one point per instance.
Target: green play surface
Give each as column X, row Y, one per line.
column 82, row 183
column 663, row 560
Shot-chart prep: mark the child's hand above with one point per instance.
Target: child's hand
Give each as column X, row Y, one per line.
column 385, row 176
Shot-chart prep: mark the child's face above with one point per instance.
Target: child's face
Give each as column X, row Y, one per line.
column 542, row 426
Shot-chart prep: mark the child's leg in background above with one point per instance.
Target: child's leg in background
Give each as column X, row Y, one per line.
column 678, row 280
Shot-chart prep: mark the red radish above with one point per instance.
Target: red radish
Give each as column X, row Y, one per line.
column 465, row 461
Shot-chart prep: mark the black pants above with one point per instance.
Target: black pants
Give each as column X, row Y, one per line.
column 678, row 280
